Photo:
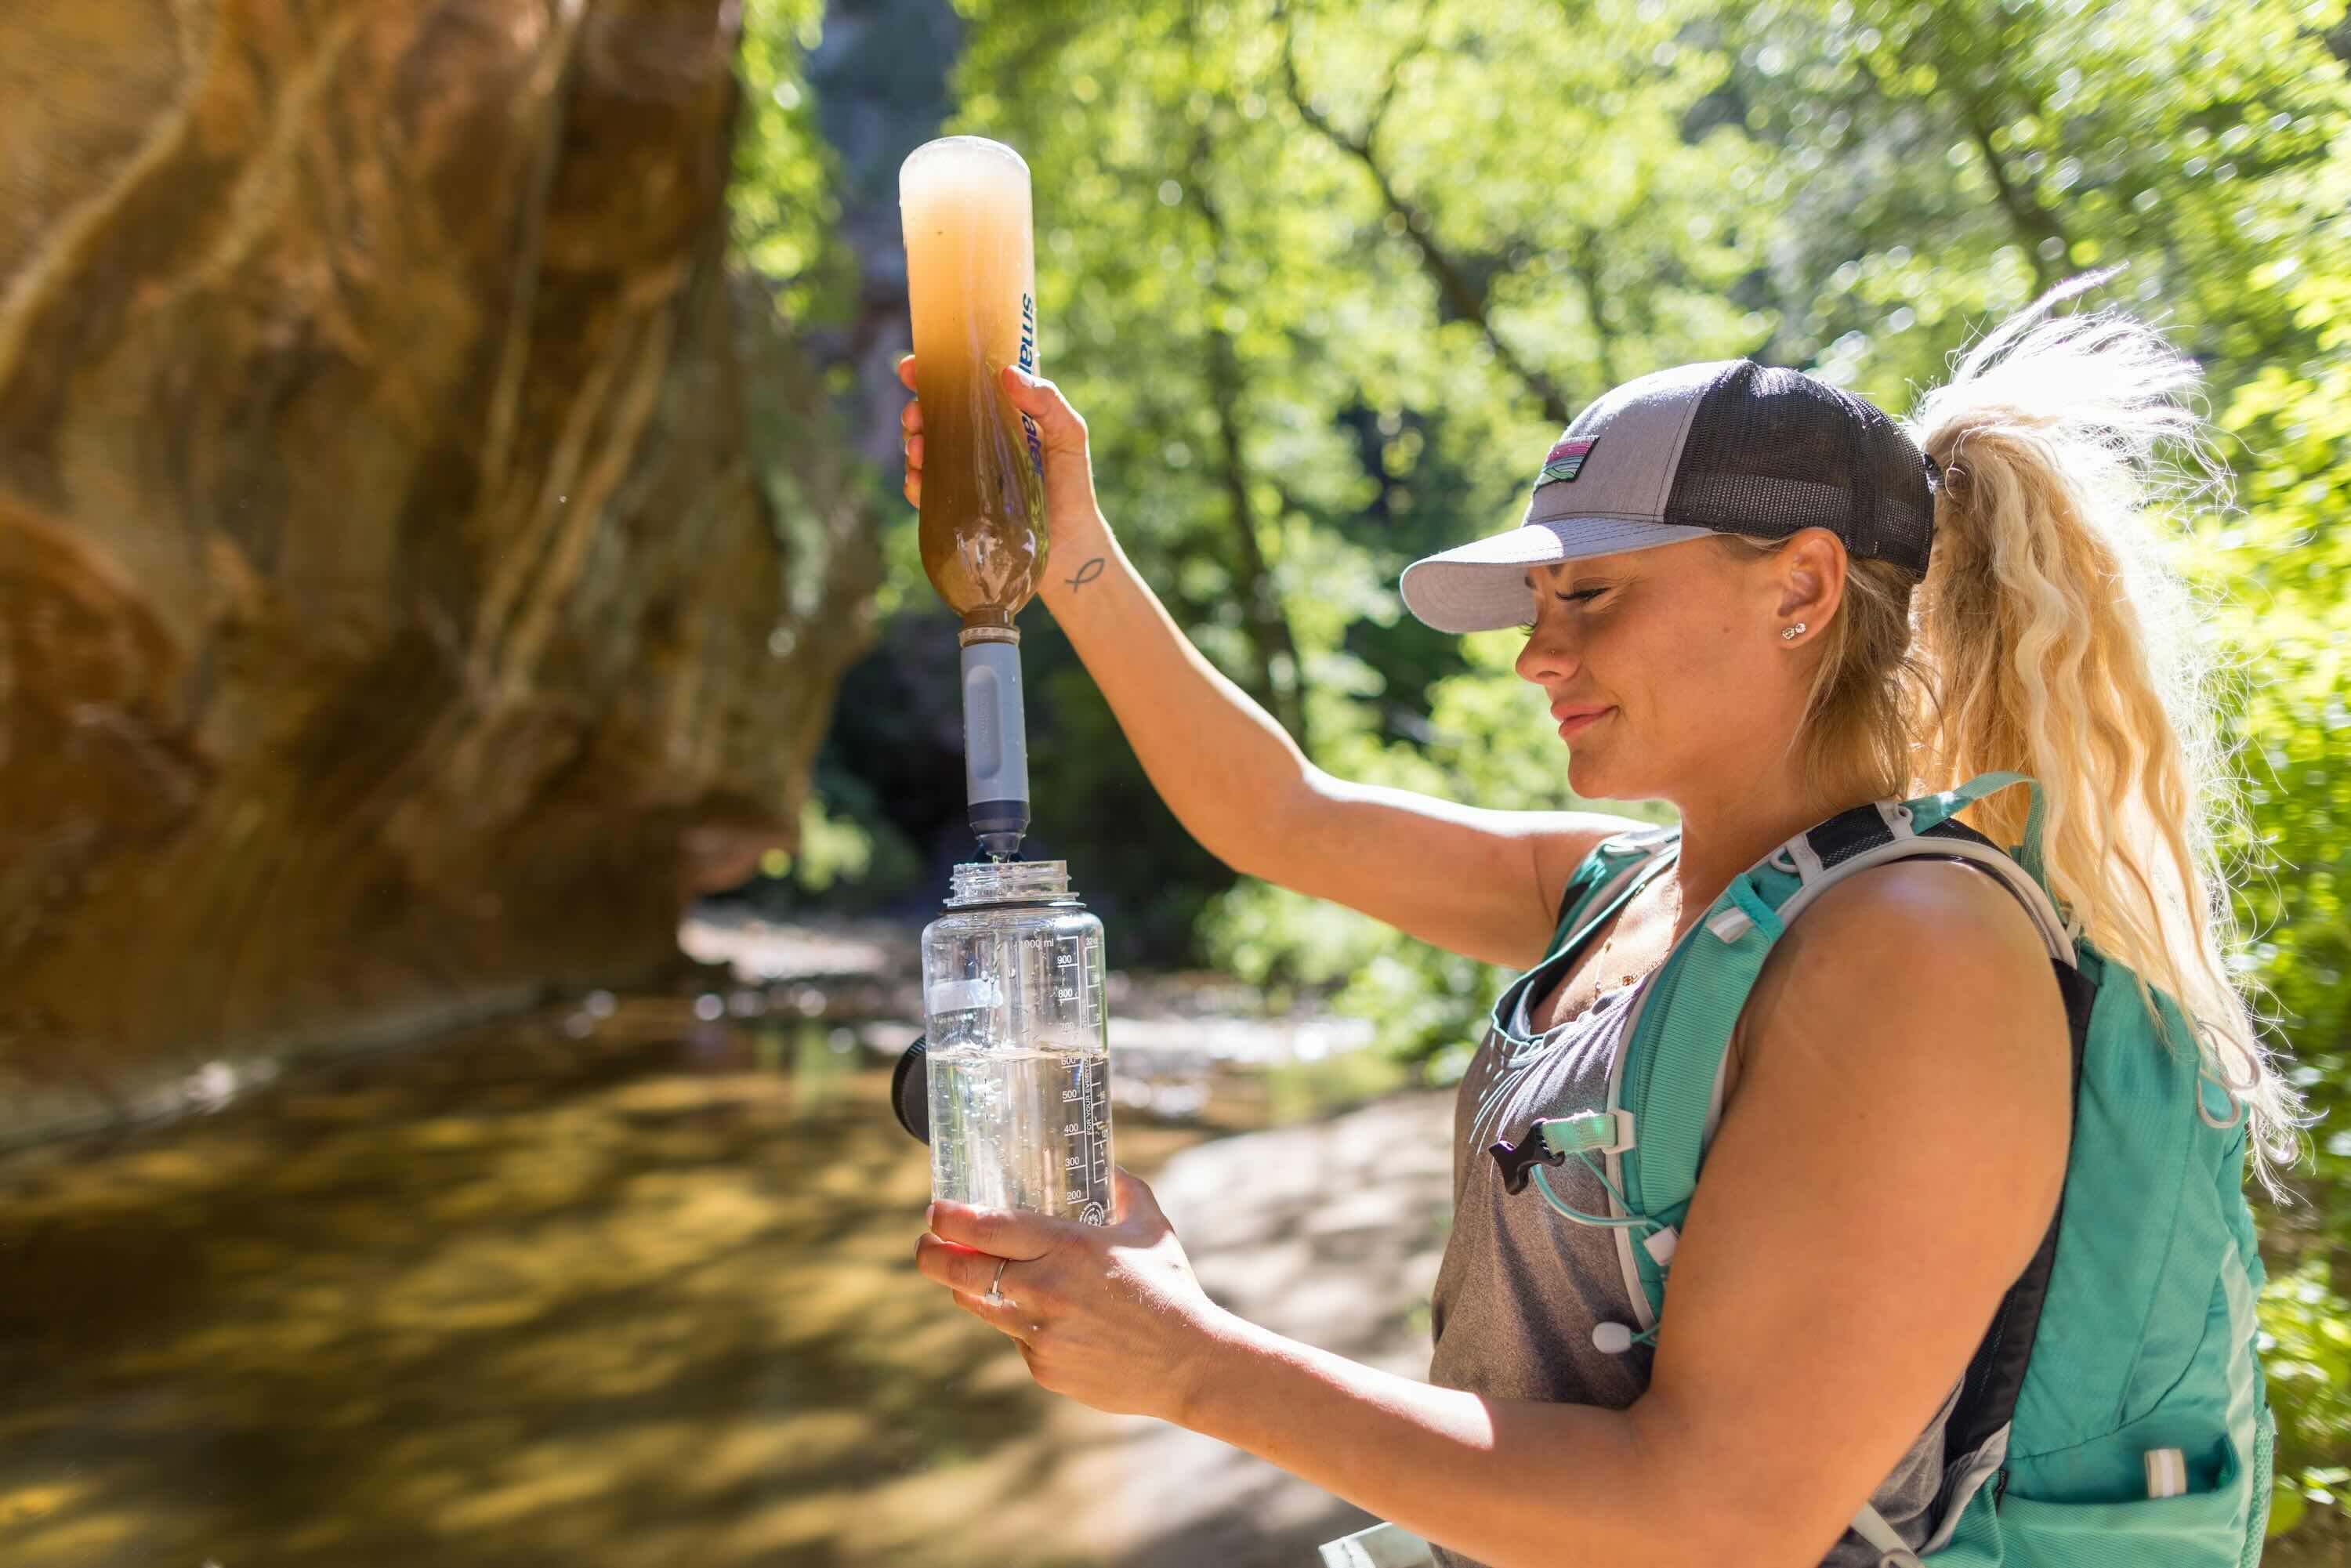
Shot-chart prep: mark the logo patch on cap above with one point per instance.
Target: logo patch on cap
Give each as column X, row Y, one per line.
column 1565, row 462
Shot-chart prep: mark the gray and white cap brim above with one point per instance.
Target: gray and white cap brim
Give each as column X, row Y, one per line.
column 1608, row 497
column 1482, row 586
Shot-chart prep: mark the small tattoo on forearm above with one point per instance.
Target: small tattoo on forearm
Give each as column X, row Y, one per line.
column 1087, row 573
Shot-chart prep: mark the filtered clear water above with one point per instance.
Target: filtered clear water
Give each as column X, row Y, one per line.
column 1022, row 1129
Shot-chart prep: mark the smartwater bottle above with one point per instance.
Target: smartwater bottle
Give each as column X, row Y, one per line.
column 971, row 285
column 1018, row 1044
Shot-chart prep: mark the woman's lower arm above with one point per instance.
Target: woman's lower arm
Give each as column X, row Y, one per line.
column 1505, row 1481
column 1218, row 760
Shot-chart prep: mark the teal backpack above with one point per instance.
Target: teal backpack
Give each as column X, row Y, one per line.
column 2131, row 1333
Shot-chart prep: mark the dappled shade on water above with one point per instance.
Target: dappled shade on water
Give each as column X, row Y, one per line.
column 638, row 1298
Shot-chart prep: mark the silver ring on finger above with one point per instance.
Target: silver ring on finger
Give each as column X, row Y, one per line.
column 994, row 1297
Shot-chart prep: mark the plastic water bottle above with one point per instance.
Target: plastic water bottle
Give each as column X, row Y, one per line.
column 1018, row 1055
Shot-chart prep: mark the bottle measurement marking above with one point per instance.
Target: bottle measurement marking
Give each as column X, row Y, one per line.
column 1022, row 1129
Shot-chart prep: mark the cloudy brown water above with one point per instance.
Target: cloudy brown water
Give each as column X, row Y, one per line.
column 638, row 1295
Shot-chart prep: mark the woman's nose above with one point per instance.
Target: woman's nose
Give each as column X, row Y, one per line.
column 1548, row 656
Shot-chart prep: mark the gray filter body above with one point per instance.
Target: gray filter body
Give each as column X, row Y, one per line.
column 995, row 746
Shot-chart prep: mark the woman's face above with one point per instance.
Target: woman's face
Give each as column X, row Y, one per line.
column 1666, row 666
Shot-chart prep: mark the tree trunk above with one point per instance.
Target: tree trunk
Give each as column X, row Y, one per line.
column 395, row 613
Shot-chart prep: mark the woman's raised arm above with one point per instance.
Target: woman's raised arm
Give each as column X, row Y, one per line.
column 1484, row 883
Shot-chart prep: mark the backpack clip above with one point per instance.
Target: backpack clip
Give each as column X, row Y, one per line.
column 1551, row 1139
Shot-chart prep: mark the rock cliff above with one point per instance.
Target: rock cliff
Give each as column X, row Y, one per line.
column 395, row 611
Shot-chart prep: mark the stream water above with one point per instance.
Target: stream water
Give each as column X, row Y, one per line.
column 625, row 1282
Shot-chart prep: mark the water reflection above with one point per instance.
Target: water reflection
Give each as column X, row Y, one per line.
column 631, row 1295
column 624, row 1283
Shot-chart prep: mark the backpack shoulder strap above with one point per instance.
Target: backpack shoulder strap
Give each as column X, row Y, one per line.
column 1672, row 1059
column 1671, row 1077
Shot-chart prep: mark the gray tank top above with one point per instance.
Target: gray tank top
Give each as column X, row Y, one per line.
column 1521, row 1287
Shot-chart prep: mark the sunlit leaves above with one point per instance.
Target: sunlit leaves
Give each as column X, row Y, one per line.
column 2013, row 144
column 782, row 202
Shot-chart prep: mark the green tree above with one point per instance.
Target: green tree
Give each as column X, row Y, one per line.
column 2292, row 622
column 1944, row 159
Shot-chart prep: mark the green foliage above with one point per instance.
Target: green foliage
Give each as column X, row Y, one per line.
column 1947, row 157
column 2289, row 558
column 832, row 849
column 1303, row 312
column 1128, row 856
column 2306, row 1351
column 851, row 858
column 783, row 202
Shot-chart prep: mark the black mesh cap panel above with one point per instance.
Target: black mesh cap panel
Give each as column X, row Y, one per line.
column 1773, row 450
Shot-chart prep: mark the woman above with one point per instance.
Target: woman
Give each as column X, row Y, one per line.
column 1755, row 597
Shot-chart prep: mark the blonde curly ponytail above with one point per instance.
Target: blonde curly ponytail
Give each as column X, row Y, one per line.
column 2052, row 638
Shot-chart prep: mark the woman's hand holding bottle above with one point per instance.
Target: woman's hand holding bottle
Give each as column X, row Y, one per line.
column 1073, row 517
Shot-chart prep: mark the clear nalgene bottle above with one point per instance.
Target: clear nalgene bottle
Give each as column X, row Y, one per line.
column 1019, row 1057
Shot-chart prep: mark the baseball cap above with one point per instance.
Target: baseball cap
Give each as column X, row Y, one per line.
column 1728, row 446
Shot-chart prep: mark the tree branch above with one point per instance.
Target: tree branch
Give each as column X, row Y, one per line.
column 1395, row 72
column 1463, row 298
column 1586, row 263
column 1260, row 600
column 2034, row 222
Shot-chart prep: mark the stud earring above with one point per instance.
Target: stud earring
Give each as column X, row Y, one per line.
column 1790, row 634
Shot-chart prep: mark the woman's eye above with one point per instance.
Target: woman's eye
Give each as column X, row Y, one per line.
column 1578, row 598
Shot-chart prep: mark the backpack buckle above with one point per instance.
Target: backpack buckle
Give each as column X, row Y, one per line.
column 1551, row 1139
